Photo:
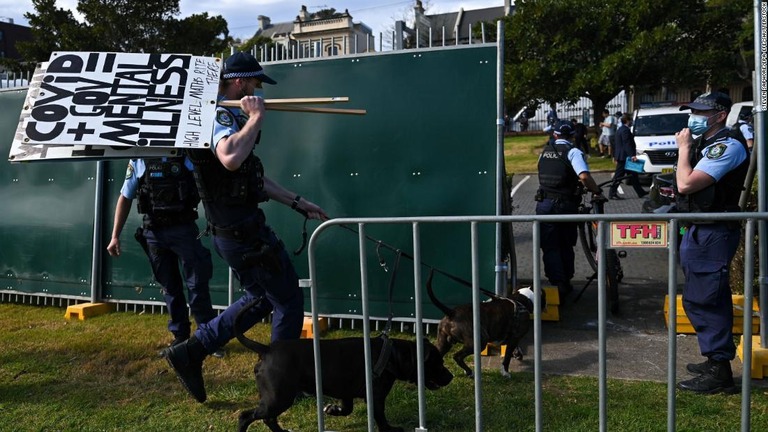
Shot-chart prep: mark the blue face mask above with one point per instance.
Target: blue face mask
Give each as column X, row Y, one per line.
column 698, row 123
column 258, row 92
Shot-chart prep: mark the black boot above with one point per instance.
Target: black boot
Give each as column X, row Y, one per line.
column 177, row 339
column 186, row 359
column 697, row 369
column 717, row 378
column 564, row 288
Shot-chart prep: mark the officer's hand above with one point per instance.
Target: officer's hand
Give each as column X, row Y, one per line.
column 114, row 247
column 684, row 140
column 252, row 105
column 599, row 198
column 311, row 210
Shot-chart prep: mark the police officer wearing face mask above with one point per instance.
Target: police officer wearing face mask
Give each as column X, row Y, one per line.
column 167, row 197
column 709, row 177
column 232, row 186
column 562, row 168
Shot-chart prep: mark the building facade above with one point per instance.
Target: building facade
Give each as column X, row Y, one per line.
column 310, row 35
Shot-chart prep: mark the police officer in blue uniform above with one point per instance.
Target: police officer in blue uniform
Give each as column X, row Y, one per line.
column 562, row 170
column 709, row 178
column 232, row 184
column 744, row 127
column 168, row 198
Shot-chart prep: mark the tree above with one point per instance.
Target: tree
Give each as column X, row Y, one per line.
column 122, row 26
column 199, row 34
column 560, row 50
column 53, row 29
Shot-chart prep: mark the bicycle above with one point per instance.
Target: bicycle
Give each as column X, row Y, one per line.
column 588, row 238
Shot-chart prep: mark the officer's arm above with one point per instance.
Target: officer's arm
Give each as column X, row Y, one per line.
column 122, row 209
column 234, row 149
column 688, row 180
column 589, row 182
column 278, row 193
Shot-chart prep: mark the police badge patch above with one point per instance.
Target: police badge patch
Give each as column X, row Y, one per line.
column 716, row 151
column 129, row 171
column 224, row 118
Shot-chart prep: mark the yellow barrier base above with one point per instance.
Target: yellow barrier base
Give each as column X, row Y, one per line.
column 87, row 310
column 307, row 331
column 685, row 326
column 493, row 349
column 759, row 357
column 552, row 312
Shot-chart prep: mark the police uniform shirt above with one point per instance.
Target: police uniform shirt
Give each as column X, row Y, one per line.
column 575, row 157
column 721, row 157
column 228, row 122
column 133, row 173
column 747, row 130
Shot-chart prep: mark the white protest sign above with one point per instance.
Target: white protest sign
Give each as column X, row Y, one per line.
column 52, row 152
column 120, row 99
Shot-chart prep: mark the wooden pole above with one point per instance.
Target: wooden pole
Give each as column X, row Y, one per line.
column 287, row 105
column 319, row 100
column 296, row 108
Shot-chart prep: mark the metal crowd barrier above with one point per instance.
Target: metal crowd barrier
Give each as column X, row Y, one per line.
column 603, row 223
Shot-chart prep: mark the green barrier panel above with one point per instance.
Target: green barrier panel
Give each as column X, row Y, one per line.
column 427, row 147
column 46, row 225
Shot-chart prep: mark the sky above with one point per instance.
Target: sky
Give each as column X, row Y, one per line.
column 241, row 15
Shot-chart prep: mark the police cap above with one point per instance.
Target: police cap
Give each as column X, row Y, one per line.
column 710, row 101
column 244, row 65
column 563, row 129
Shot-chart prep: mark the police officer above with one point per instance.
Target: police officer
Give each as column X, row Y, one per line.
column 168, row 198
column 232, row 184
column 562, row 170
column 709, row 177
column 745, row 128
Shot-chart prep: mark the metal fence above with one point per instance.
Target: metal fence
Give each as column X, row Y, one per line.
column 474, row 221
column 14, row 79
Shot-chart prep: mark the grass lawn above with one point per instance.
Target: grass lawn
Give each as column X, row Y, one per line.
column 521, row 155
column 103, row 374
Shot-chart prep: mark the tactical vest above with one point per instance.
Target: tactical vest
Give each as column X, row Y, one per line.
column 556, row 175
column 722, row 196
column 167, row 194
column 229, row 197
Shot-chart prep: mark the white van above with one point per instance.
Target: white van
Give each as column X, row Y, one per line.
column 737, row 110
column 654, row 129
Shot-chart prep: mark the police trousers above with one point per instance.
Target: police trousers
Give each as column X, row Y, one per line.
column 558, row 240
column 272, row 278
column 167, row 247
column 706, row 252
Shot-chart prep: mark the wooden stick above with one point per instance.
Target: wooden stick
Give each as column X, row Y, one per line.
column 320, row 100
column 296, row 108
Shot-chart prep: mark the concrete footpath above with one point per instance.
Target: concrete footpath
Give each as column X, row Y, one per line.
column 637, row 339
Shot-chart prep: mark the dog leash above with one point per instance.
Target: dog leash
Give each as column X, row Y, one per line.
column 398, row 251
column 383, row 263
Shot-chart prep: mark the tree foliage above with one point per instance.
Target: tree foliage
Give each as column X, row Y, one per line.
column 560, row 50
column 122, row 26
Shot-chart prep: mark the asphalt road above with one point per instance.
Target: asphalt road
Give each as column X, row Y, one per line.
column 637, row 338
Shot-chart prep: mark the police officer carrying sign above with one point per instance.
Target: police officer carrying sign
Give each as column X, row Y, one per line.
column 709, row 177
column 232, row 184
column 167, row 197
column 562, row 170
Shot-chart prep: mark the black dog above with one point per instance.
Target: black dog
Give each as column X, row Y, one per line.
column 287, row 368
column 502, row 320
